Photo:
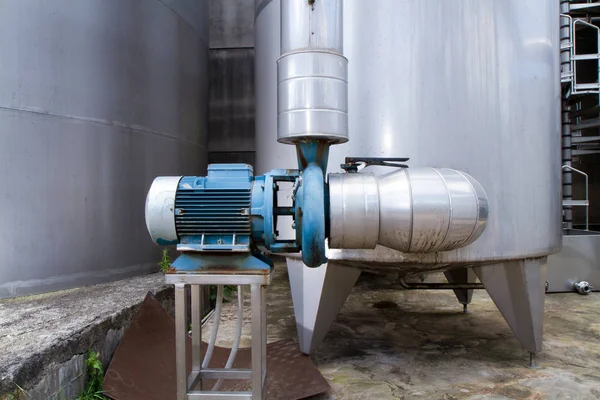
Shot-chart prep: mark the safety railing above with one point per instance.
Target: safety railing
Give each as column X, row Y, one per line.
column 579, row 203
column 588, row 87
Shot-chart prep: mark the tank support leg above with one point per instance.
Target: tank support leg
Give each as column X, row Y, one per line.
column 532, row 363
column 318, row 295
column 517, row 288
column 464, row 275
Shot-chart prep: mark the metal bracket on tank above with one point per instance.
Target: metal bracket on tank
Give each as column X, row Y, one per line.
column 352, row 163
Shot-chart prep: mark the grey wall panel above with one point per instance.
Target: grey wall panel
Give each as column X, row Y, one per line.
column 97, row 97
column 231, row 23
column 231, row 104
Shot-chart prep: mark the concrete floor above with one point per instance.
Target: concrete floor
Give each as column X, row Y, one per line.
column 391, row 344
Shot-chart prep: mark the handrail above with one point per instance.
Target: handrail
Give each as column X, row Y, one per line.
column 587, row 205
column 574, row 22
column 571, row 50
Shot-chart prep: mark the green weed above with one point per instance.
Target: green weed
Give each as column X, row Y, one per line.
column 165, row 262
column 93, row 388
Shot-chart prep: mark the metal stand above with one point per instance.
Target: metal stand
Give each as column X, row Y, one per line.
column 186, row 385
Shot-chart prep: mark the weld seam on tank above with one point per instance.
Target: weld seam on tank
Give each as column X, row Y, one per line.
column 105, row 122
column 333, row 78
column 299, row 110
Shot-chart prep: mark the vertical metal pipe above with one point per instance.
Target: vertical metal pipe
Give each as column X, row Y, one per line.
column 312, row 73
column 312, row 25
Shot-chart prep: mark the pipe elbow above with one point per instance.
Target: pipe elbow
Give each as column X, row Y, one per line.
column 415, row 210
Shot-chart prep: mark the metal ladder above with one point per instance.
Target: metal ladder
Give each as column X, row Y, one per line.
column 577, row 116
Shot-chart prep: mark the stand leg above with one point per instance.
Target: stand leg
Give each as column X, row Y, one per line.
column 196, row 333
column 263, row 296
column 180, row 336
column 257, row 341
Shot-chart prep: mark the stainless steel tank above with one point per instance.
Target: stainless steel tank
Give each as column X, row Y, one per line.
column 470, row 85
column 97, row 97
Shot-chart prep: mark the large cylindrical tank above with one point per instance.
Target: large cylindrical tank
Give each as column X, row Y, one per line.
column 471, row 85
column 97, row 98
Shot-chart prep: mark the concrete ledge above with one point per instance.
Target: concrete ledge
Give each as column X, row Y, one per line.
column 44, row 339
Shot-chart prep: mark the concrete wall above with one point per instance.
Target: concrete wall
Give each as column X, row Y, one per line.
column 231, row 83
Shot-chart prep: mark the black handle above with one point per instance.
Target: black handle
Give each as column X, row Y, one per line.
column 352, row 163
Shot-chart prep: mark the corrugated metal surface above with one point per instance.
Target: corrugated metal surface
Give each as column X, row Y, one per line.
column 97, row 97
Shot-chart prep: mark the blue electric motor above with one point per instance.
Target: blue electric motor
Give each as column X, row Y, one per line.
column 231, row 210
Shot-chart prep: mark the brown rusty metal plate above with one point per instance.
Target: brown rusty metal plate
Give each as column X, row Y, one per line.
column 143, row 367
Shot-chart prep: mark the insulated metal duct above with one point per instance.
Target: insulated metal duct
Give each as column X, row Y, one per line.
column 414, row 210
column 312, row 73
